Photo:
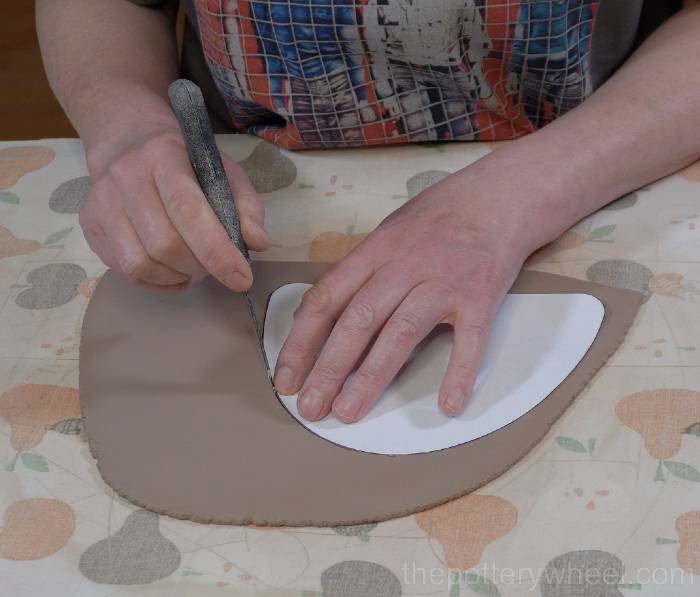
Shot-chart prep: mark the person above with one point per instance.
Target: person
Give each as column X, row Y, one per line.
column 593, row 117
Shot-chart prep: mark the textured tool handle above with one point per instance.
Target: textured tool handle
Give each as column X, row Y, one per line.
column 188, row 105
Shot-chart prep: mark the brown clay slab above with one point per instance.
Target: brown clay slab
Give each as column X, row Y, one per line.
column 182, row 419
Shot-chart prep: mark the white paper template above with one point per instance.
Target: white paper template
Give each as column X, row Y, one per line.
column 536, row 340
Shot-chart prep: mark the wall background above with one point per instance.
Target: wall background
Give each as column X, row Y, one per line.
column 28, row 108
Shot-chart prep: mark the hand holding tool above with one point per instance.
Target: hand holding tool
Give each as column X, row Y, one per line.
column 188, row 104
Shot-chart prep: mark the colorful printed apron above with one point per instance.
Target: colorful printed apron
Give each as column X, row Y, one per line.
column 334, row 73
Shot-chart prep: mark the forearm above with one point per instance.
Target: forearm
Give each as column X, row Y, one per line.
column 109, row 63
column 643, row 124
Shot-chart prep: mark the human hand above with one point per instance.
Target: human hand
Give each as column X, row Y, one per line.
column 147, row 218
column 449, row 255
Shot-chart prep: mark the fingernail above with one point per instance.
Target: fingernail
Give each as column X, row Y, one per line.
column 311, row 403
column 348, row 406
column 237, row 281
column 455, row 400
column 284, row 380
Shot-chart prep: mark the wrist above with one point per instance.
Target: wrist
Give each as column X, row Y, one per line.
column 119, row 127
column 538, row 196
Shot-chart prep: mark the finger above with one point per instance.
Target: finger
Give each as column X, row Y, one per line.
column 98, row 242
column 470, row 336
column 95, row 237
column 157, row 234
column 249, row 204
column 314, row 318
column 417, row 315
column 130, row 258
column 198, row 225
column 358, row 324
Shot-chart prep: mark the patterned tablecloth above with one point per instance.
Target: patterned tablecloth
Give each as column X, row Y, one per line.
column 609, row 500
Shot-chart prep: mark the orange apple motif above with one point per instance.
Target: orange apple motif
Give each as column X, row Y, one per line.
column 15, row 162
column 688, row 529
column 466, row 526
column 30, row 409
column 35, row 528
column 660, row 417
column 333, row 246
column 569, row 240
column 670, row 284
column 11, row 246
column 88, row 285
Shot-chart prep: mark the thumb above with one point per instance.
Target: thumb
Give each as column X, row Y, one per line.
column 249, row 204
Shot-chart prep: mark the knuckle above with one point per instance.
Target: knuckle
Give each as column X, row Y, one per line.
column 161, row 145
column 164, row 247
column 328, row 373
column 294, row 353
column 476, row 328
column 404, row 325
column 441, row 287
column 464, row 371
column 367, row 377
column 183, row 207
column 135, row 268
column 359, row 316
column 317, row 300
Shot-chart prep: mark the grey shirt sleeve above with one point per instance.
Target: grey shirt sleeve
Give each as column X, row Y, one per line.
column 621, row 25
column 613, row 36
column 154, row 3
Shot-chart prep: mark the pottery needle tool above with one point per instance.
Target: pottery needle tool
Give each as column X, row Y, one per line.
column 188, row 104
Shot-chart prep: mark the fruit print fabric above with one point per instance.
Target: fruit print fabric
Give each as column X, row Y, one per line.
column 35, row 528
column 532, row 522
column 17, row 161
column 136, row 554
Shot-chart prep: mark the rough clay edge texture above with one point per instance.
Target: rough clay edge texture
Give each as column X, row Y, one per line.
column 602, row 292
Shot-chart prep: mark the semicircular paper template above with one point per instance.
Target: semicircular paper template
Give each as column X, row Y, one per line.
column 535, row 342
column 182, row 419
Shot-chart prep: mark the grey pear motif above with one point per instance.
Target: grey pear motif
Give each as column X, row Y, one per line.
column 136, row 554
column 268, row 169
column 424, row 180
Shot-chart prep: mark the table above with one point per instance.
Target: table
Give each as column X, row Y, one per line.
column 612, row 492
